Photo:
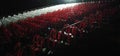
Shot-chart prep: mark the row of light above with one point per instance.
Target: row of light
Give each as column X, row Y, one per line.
column 33, row 13
column 37, row 12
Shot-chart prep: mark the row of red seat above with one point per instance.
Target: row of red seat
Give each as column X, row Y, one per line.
column 42, row 31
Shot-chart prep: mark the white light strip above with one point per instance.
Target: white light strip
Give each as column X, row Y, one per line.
column 34, row 13
column 69, row 0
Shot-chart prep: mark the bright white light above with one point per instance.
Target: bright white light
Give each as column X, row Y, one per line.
column 61, row 41
column 43, row 49
column 55, row 40
column 69, row 0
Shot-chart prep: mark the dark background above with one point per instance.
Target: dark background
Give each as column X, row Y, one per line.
column 102, row 41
